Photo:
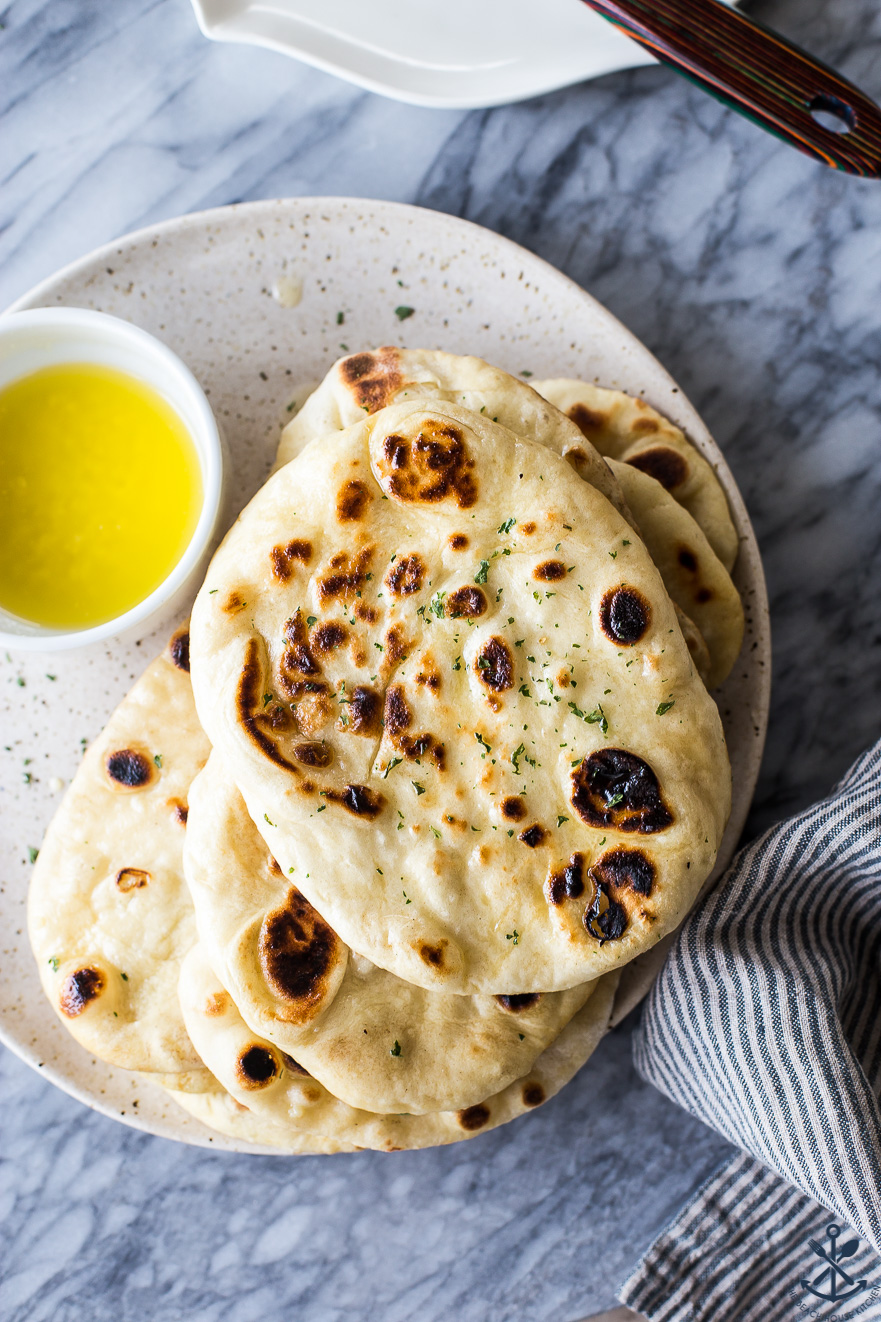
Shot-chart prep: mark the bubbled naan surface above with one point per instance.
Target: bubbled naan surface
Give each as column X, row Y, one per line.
column 625, row 428
column 287, row 1108
column 339, row 1015
column 109, row 914
column 367, row 382
column 437, row 664
column 693, row 574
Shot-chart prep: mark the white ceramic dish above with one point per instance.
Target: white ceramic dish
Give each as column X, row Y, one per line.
column 204, row 284
column 443, row 53
column 46, row 337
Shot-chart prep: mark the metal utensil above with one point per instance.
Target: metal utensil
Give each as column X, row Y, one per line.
column 757, row 72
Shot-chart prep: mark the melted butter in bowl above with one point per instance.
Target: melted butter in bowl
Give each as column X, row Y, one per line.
column 110, row 478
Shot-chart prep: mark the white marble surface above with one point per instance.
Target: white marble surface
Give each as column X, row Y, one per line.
column 755, row 276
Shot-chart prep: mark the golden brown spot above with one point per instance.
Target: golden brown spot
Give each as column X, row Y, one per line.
column 429, row 675
column 406, row 577
column 129, row 769
column 283, row 558
column 179, row 811
column 568, row 882
column 513, row 808
column 687, row 559
column 131, row 879
column 326, row 638
column 615, row 788
column 465, row 603
column 216, row 1004
column 364, row 711
column 551, row 571
column 78, row 989
column 358, row 799
column 352, row 500
column 485, row 853
column 179, row 649
column 625, row 868
column 457, row 541
column 625, row 615
column 703, row 595
column 494, row 665
column 234, row 603
column 297, row 660
column 397, row 646
column 663, row 464
column 365, row 612
column 590, row 421
column 528, row 528
column 346, row 575
column 314, row 711
column 644, row 426
column 298, row 953
column 434, row 467
column 373, row 378
column 398, row 716
column 256, row 1067
column 533, row 1094
column 314, row 754
column 522, row 1001
column 533, row 836
column 564, row 679
column 474, row 1117
column 248, row 699
column 432, row 955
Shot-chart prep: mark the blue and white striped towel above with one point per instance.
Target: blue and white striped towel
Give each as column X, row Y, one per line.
column 766, row 1023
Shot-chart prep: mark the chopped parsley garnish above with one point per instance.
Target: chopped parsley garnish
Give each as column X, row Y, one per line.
column 396, row 1049
column 561, row 819
column 403, row 312
column 480, row 739
column 420, row 789
column 273, row 823
column 32, row 853
column 53, row 963
column 157, row 758
column 515, row 758
column 480, row 576
column 267, row 698
column 525, row 373
column 513, row 937
column 435, row 832
column 311, row 619
column 395, row 762
column 457, row 663
column 407, row 899
column 615, row 800
column 663, row 707
column 507, row 525
column 340, row 318
column 484, row 663
column 525, row 691
column 436, row 605
column 124, row 977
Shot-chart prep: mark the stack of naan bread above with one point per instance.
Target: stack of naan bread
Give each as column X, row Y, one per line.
column 358, row 861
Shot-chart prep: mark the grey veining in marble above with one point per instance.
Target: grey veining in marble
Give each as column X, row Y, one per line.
column 755, row 275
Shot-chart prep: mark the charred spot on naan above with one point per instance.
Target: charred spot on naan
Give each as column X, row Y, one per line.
column 315, row 710
column 465, row 603
column 457, row 541
column 363, row 712
column 406, row 576
column 625, row 615
column 314, row 753
column 589, row 421
column 513, row 808
column 397, row 719
column 397, row 647
column 605, row 918
column 664, row 464
column 428, row 676
column 234, row 602
column 326, row 638
column 179, row 810
column 352, row 501
column 297, row 659
column 433, row 955
column 284, row 559
column 432, row 467
column 130, row 769
column 131, row 879
column 80, row 989
column 494, row 665
column 533, row 836
column 615, row 788
column 625, row 869
column 567, row 882
column 179, row 648
column 474, row 1117
column 298, row 953
column 359, row 800
column 256, row 1067
column 549, row 571
column 345, row 576
column 533, row 1094
column 248, row 705
column 373, row 378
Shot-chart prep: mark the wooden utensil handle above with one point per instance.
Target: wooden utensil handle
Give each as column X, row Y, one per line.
column 758, row 73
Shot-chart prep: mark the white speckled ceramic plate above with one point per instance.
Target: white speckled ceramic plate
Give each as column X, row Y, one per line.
column 251, row 297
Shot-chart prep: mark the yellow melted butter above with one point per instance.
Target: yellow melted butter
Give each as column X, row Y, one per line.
column 100, row 493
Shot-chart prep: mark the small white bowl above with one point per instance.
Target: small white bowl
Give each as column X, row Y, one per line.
column 46, row 337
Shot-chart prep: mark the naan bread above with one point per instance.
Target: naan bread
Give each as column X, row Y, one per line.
column 109, row 914
column 622, row 427
column 435, row 664
column 282, row 1099
column 221, row 1112
column 364, row 383
column 693, row 574
column 337, row 1014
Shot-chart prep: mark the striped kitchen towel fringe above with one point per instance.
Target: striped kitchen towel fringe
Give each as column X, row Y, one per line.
column 766, row 1023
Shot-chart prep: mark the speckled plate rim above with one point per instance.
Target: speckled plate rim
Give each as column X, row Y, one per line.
column 620, row 361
